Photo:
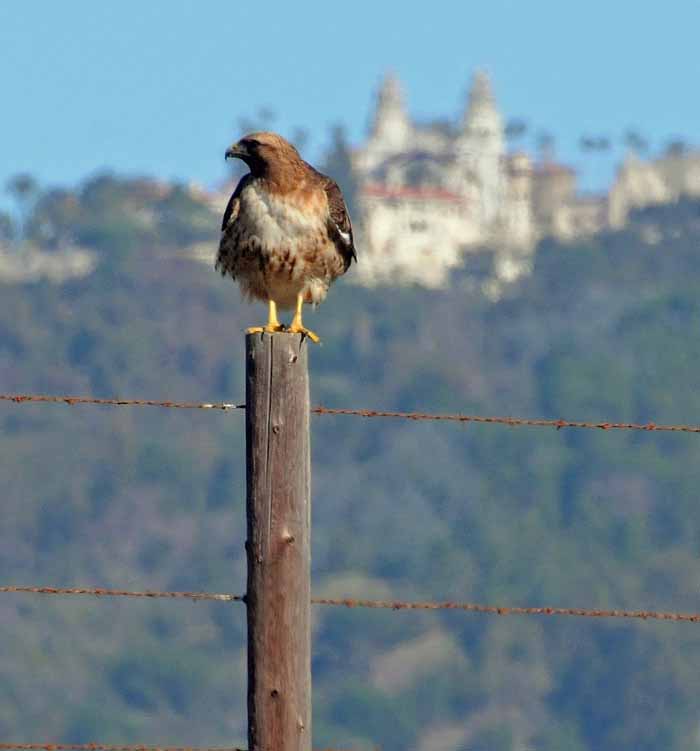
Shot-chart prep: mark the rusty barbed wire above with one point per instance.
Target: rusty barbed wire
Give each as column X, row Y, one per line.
column 101, row 592
column 469, row 607
column 510, row 421
column 511, row 610
column 73, row 400
column 319, row 410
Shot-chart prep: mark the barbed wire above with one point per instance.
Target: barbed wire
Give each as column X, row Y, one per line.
column 417, row 416
column 511, row 610
column 102, row 592
column 469, row 607
column 511, row 421
column 73, row 400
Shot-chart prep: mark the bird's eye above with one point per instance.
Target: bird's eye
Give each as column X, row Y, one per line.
column 251, row 143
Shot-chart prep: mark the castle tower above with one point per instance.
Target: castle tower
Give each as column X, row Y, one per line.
column 391, row 124
column 516, row 218
column 481, row 145
column 391, row 129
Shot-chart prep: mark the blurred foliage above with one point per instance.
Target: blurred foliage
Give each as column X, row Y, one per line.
column 604, row 329
column 24, row 191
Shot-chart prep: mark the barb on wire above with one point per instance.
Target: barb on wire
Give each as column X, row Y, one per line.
column 101, row 592
column 511, row 610
column 469, row 607
column 445, row 417
column 511, row 421
column 72, row 400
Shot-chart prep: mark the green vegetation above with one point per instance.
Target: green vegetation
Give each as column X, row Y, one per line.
column 607, row 329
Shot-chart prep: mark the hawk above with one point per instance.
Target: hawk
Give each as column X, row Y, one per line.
column 286, row 234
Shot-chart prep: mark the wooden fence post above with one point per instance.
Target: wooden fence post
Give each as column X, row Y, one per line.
column 278, row 545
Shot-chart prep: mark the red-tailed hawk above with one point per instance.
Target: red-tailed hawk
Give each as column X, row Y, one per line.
column 286, row 233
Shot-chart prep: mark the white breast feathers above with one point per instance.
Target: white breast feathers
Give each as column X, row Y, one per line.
column 275, row 220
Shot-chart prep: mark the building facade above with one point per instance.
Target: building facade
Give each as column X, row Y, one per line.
column 430, row 193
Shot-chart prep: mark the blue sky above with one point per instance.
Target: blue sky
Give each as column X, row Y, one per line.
column 157, row 87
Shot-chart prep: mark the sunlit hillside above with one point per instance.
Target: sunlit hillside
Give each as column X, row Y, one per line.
column 154, row 499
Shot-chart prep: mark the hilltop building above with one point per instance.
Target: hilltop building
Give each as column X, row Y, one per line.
column 429, row 193
column 663, row 180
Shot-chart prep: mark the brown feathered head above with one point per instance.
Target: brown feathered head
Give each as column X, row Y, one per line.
column 262, row 150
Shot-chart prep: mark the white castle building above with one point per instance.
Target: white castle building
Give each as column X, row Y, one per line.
column 428, row 194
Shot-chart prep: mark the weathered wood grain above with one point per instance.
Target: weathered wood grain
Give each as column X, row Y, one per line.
column 278, row 546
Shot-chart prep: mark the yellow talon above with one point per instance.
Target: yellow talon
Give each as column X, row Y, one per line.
column 272, row 323
column 297, row 327
column 294, row 329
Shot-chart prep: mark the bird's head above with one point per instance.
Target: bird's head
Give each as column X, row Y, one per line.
column 260, row 150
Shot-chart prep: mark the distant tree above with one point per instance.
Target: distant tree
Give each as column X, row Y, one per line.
column 263, row 119
column 267, row 114
column 545, row 143
column 108, row 218
column 22, row 186
column 57, row 213
column 24, row 189
column 634, row 141
column 300, row 138
column 515, row 129
column 7, row 227
column 103, row 192
column 594, row 143
column 182, row 219
column 677, row 147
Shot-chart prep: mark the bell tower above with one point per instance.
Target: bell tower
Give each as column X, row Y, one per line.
column 391, row 124
column 481, row 145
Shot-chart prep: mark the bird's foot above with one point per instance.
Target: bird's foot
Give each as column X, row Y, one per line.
column 298, row 328
column 268, row 329
column 272, row 324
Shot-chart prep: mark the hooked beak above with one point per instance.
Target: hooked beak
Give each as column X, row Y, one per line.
column 234, row 152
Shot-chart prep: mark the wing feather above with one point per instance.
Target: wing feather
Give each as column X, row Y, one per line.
column 227, row 243
column 231, row 212
column 339, row 225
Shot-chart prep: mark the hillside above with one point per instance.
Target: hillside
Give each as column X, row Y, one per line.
column 150, row 498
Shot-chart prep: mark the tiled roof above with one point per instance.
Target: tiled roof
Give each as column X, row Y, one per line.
column 422, row 193
column 553, row 168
